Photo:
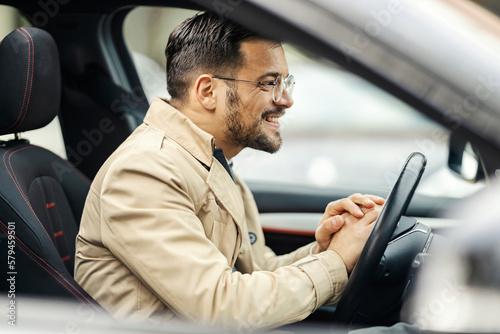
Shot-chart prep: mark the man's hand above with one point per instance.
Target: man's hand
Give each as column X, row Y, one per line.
column 332, row 221
column 350, row 240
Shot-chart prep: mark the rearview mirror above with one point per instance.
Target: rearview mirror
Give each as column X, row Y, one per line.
column 464, row 159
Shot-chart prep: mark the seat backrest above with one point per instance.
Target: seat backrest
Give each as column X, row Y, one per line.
column 41, row 195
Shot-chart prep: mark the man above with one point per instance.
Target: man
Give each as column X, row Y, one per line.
column 165, row 230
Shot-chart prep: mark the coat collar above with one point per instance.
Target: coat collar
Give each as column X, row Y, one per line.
column 197, row 142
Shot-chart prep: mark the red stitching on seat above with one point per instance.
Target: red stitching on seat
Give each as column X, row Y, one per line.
column 14, row 179
column 58, row 234
column 48, row 265
column 66, row 258
column 31, row 81
column 51, row 205
column 27, row 80
column 17, row 183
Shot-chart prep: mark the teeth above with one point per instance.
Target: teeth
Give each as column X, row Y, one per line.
column 272, row 119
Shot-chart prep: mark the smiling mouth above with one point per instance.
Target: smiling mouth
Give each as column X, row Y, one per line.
column 273, row 119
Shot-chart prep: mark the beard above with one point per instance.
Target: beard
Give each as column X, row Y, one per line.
column 250, row 134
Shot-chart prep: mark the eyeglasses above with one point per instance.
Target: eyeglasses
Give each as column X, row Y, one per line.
column 279, row 84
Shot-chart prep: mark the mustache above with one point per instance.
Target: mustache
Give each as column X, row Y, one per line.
column 276, row 111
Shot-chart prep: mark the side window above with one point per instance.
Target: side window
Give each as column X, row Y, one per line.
column 342, row 131
column 50, row 136
column 146, row 31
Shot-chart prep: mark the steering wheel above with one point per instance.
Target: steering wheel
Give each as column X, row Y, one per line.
column 394, row 207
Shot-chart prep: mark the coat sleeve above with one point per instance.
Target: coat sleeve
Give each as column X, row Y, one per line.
column 272, row 261
column 149, row 223
column 264, row 257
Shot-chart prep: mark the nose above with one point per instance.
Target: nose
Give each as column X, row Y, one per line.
column 286, row 100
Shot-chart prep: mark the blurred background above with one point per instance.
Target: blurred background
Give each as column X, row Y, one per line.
column 361, row 135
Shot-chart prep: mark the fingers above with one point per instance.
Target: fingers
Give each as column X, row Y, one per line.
column 328, row 227
column 340, row 206
column 368, row 201
column 350, row 240
column 362, row 200
column 325, row 231
column 378, row 200
column 334, row 224
column 352, row 205
column 370, row 216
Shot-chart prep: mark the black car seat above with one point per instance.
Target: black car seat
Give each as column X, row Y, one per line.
column 41, row 195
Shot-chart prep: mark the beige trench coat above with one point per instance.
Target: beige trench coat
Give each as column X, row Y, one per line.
column 160, row 235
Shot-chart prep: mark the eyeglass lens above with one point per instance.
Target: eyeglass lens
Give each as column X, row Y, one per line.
column 282, row 84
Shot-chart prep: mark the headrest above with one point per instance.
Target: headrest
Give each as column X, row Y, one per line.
column 30, row 80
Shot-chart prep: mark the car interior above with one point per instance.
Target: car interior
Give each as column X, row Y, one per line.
column 72, row 61
column 41, row 192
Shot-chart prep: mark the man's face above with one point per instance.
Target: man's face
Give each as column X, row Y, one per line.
column 252, row 117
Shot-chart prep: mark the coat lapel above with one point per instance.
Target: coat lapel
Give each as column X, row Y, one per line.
column 226, row 192
column 229, row 198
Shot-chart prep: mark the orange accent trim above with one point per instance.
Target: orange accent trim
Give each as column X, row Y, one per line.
column 66, row 258
column 58, row 234
column 51, row 205
column 288, row 231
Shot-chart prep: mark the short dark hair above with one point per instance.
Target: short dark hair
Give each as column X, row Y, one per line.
column 205, row 43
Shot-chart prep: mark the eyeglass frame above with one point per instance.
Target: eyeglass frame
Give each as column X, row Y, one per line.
column 274, row 84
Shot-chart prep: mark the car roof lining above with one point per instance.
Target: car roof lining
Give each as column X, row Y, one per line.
column 96, row 6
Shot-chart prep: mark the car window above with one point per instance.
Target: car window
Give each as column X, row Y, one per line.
column 342, row 131
column 50, row 136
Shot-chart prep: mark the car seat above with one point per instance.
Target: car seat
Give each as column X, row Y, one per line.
column 41, row 195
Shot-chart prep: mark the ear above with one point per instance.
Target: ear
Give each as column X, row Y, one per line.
column 205, row 91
